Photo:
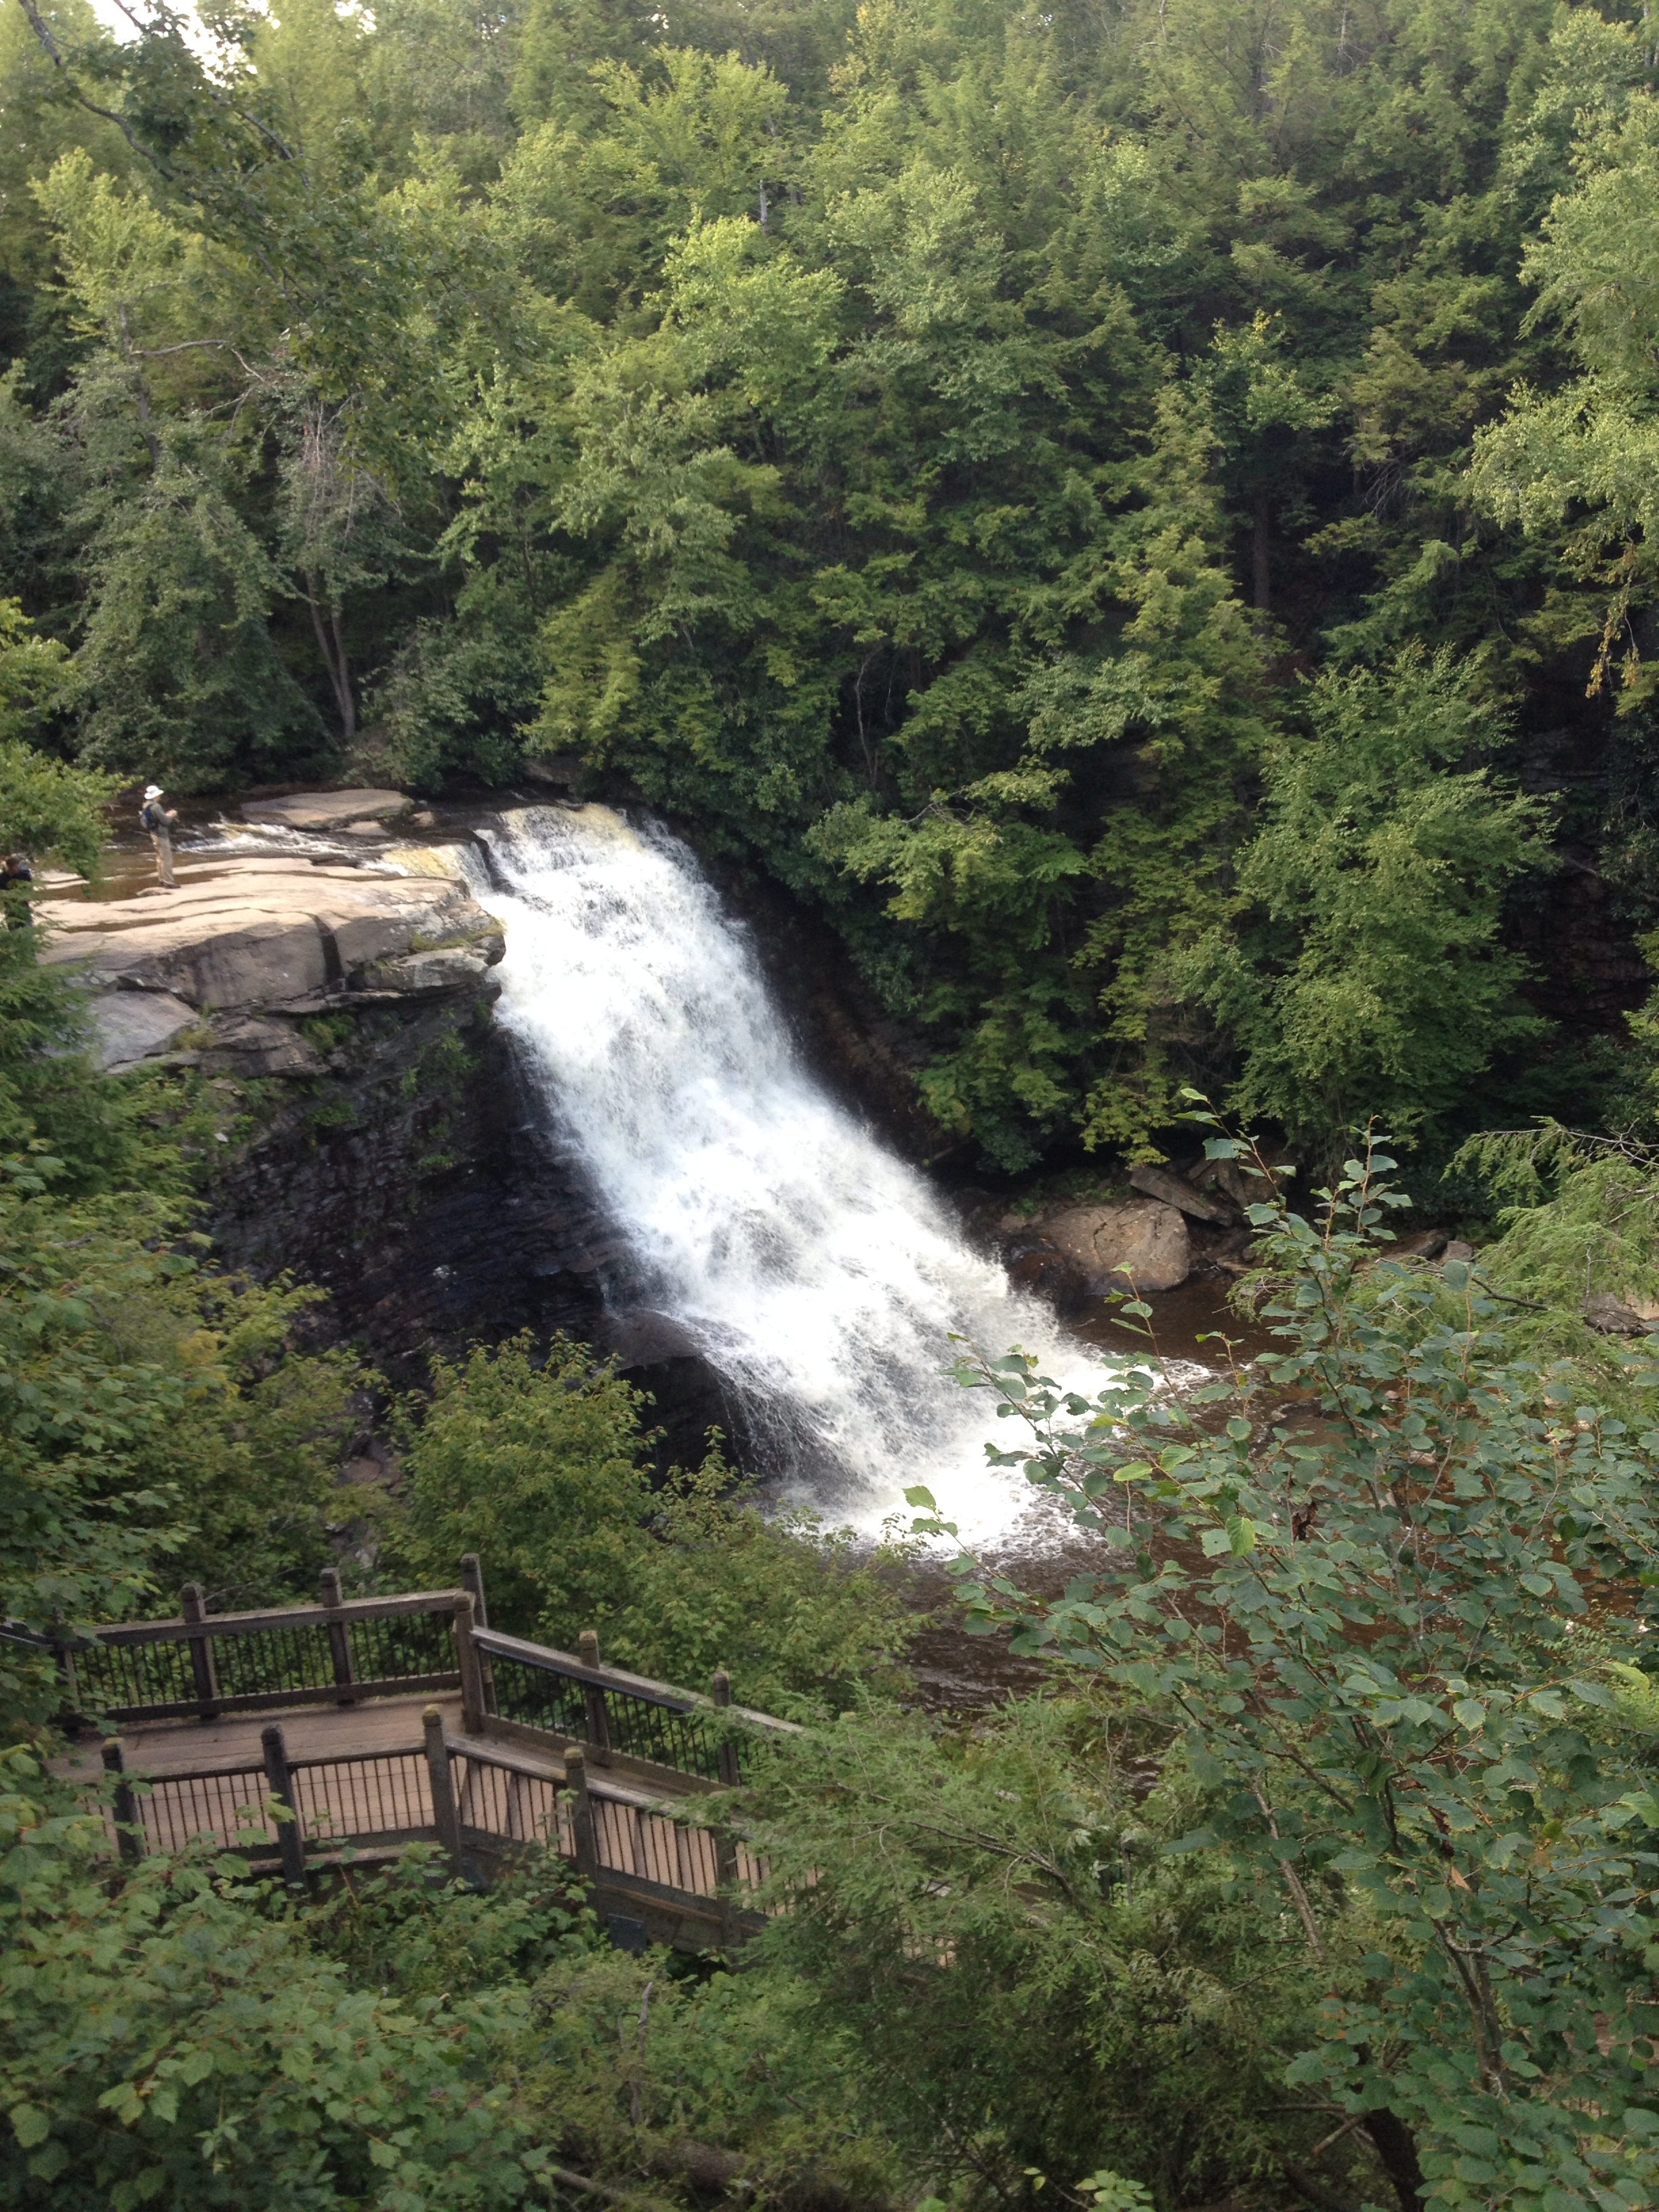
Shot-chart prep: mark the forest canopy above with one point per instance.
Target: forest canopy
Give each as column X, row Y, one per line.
column 966, row 462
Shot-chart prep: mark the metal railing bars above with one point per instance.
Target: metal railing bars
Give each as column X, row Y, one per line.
column 642, row 1687
column 209, row 1664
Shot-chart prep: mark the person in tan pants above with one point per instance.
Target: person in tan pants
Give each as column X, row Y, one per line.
column 159, row 821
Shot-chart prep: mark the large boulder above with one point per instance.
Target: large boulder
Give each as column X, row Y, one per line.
column 1141, row 1243
column 126, row 1027
column 327, row 809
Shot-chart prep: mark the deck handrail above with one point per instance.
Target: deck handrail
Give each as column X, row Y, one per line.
column 202, row 1665
column 672, row 1698
column 179, row 1629
column 607, row 1831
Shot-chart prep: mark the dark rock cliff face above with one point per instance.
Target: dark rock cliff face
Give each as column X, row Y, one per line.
column 378, row 1137
column 408, row 1183
column 417, row 1184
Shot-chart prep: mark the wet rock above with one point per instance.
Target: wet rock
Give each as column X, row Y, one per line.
column 413, row 1183
column 1610, row 1316
column 1457, row 1250
column 1159, row 1183
column 1424, row 1245
column 560, row 769
column 1052, row 1274
column 247, row 1046
column 129, row 1027
column 1141, row 1243
column 328, row 809
column 1234, row 1253
column 1239, row 1186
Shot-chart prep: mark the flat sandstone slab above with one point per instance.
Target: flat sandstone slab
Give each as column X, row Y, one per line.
column 326, row 809
column 253, row 937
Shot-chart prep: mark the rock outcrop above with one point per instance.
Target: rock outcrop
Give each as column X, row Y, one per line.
column 1141, row 1243
column 328, row 809
column 374, row 1136
column 1175, row 1190
column 225, row 966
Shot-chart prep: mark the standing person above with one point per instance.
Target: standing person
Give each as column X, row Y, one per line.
column 159, row 821
column 14, row 873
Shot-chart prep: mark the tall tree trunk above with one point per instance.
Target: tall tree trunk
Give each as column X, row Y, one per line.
column 1260, row 542
column 343, row 692
column 1396, row 2147
column 332, row 646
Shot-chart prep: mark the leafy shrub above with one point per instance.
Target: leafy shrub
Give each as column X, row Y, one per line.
column 1359, row 1577
column 541, row 1468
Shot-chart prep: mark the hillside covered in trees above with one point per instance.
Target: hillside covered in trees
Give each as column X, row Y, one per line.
column 1136, row 516
column 1137, row 513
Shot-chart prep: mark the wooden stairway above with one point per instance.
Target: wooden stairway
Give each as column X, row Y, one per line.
column 303, row 1736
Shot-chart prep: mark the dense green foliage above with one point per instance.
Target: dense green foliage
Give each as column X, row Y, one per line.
column 171, row 2043
column 1128, row 511
column 1326, row 1873
column 1378, row 1582
column 923, row 447
column 153, row 1416
column 539, row 1464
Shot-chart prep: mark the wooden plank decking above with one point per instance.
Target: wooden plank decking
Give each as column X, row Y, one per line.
column 171, row 1747
column 368, row 1767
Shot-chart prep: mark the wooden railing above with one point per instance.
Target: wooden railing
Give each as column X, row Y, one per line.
column 554, row 1748
column 474, row 1803
column 622, row 1719
column 201, row 1665
column 344, row 1650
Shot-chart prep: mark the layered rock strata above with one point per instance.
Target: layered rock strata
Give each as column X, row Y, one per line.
column 265, row 937
column 373, row 1135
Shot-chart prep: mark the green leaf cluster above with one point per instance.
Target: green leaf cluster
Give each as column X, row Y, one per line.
column 538, row 1460
column 1378, row 1582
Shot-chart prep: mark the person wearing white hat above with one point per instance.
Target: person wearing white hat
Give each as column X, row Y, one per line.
column 159, row 821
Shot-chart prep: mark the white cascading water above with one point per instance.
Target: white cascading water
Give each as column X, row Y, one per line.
column 817, row 1274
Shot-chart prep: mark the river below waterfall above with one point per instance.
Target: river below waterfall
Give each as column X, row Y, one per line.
column 821, row 1277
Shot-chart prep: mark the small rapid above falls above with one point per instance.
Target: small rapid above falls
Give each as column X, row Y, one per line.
column 816, row 1273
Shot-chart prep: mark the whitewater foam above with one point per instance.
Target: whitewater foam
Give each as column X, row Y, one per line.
column 816, row 1272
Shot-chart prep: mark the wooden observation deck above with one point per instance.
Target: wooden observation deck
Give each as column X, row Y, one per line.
column 297, row 1737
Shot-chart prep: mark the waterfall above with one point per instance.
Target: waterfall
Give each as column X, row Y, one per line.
column 817, row 1272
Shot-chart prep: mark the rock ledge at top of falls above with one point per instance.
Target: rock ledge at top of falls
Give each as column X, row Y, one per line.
column 243, row 943
column 326, row 809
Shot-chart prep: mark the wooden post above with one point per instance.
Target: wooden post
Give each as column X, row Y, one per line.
column 472, row 1583
column 466, row 1655
column 201, row 1654
column 599, row 1720
column 65, row 1661
column 444, row 1817
column 289, row 1840
column 726, row 1877
column 339, row 1643
column 581, row 1814
column 719, row 1689
column 129, row 1833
